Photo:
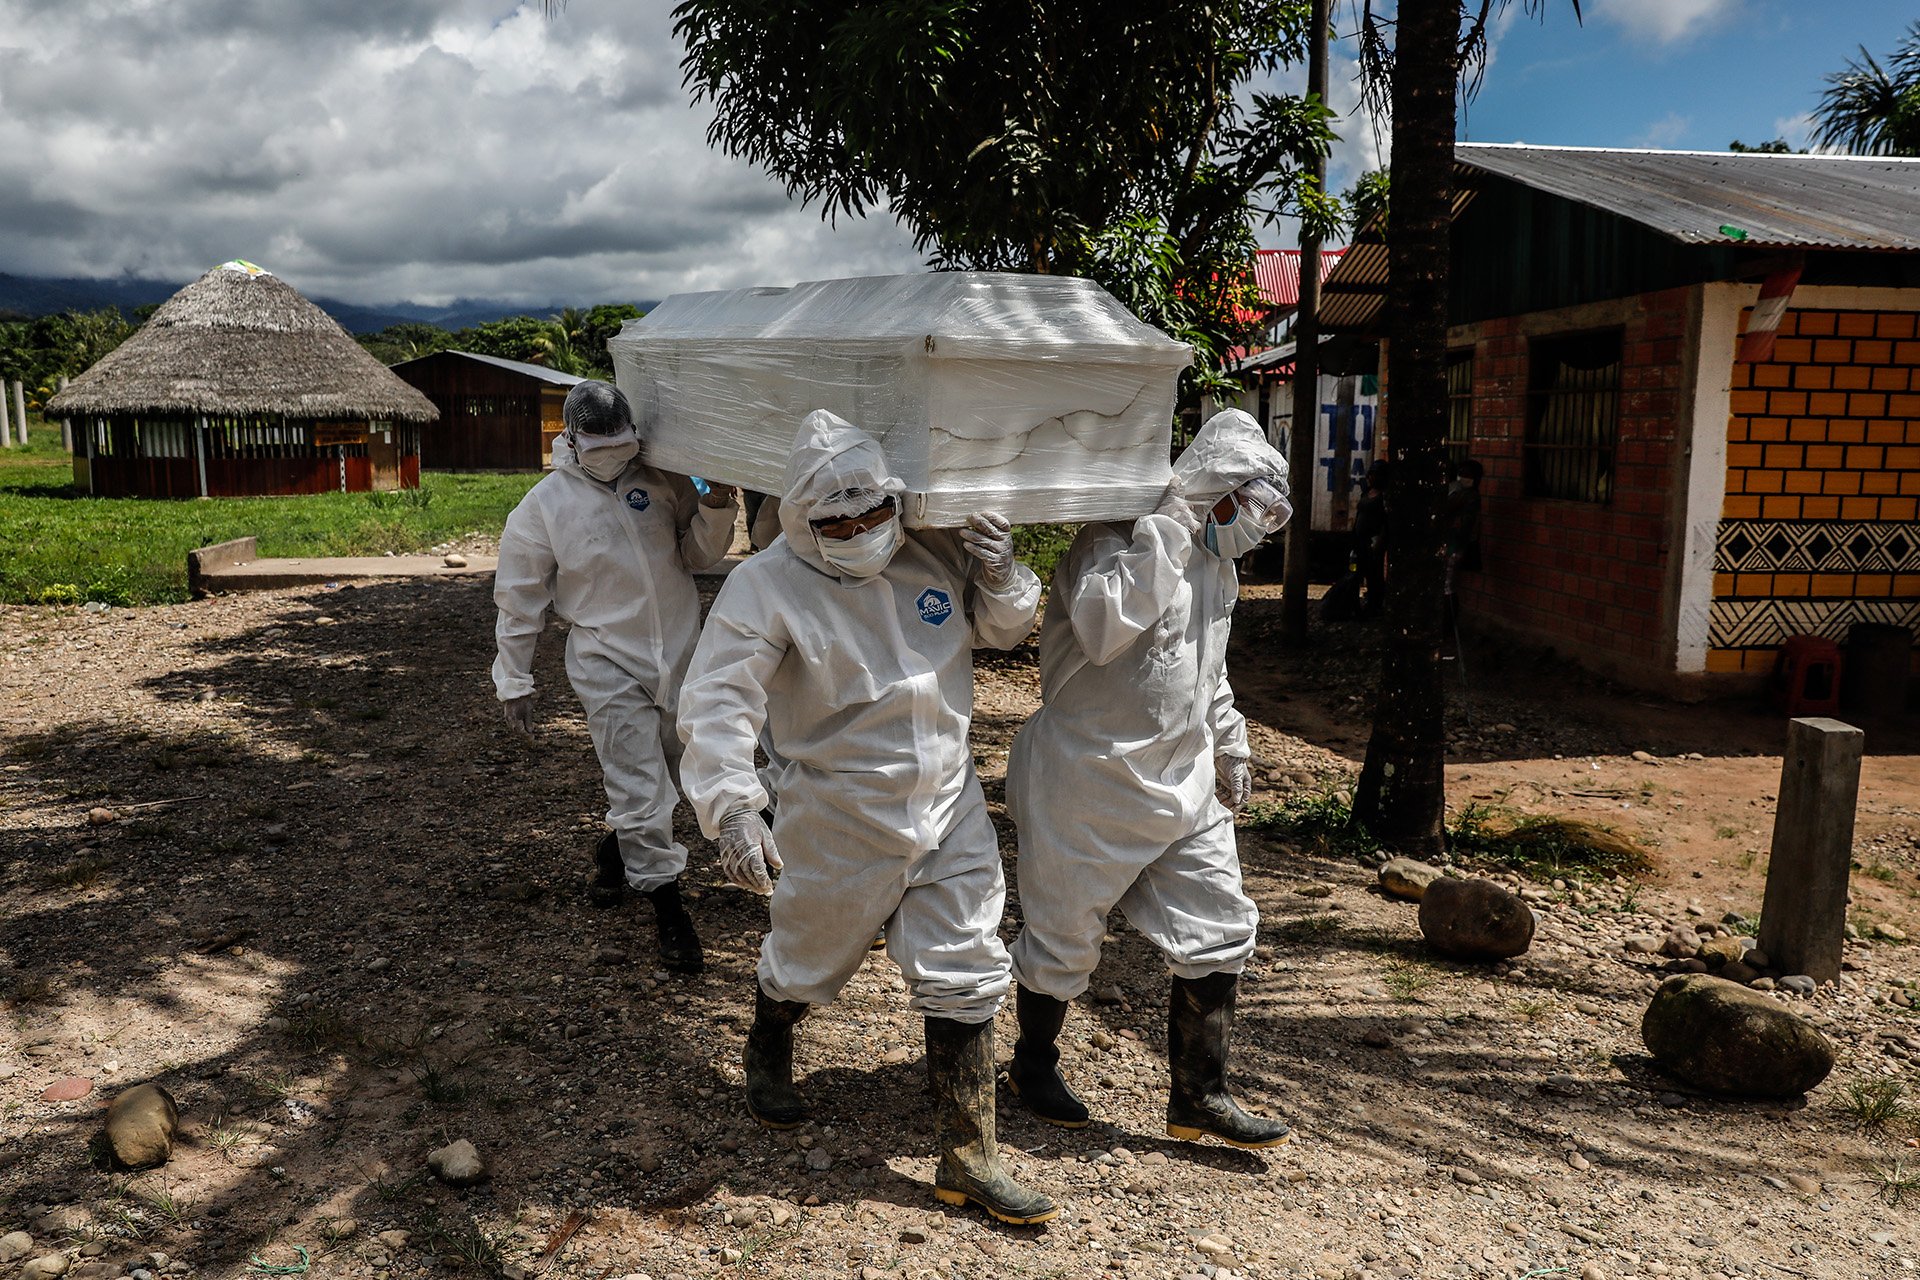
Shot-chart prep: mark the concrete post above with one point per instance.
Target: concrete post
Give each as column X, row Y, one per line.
column 66, row 426
column 1803, row 919
column 20, row 407
column 6, row 423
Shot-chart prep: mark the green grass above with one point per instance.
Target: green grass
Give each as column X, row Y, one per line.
column 1542, row 847
column 1874, row 1104
column 59, row 547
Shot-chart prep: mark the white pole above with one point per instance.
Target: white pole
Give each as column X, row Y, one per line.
column 6, row 424
column 66, row 426
column 20, row 407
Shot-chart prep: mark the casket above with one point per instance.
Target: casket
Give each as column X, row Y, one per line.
column 1040, row 397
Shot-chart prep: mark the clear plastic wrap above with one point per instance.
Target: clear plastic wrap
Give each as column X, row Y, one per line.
column 1040, row 397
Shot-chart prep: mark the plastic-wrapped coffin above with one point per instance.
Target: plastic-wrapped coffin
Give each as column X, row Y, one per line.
column 1037, row 396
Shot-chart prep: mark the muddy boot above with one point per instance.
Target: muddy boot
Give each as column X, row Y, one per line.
column 1199, row 1024
column 679, row 944
column 771, row 1097
column 607, row 884
column 1034, row 1075
column 960, row 1069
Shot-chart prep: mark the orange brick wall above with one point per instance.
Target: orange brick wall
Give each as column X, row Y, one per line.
column 1818, row 527
column 1589, row 576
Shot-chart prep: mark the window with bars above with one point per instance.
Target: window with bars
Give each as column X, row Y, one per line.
column 1459, row 406
column 1573, row 414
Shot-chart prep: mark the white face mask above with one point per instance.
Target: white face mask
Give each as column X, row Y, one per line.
column 864, row 554
column 605, row 461
column 1235, row 538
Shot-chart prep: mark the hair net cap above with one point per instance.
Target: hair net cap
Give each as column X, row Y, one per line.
column 596, row 409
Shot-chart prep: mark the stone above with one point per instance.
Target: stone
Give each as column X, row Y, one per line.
column 1407, row 878
column 1804, row 1184
column 1681, row 943
column 394, row 1241
column 455, row 561
column 1644, row 944
column 1757, row 958
column 1799, row 984
column 67, row 1089
column 1762, row 984
column 1109, row 994
column 100, row 817
column 1644, row 757
column 1725, row 949
column 45, row 1267
column 1320, row 889
column 1475, row 920
column 1738, row 971
column 140, row 1126
column 1377, row 1038
column 819, row 1160
column 14, row 1246
column 1720, row 1036
column 896, row 1055
column 458, row 1164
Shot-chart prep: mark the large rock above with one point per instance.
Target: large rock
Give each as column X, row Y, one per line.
column 458, row 1165
column 1726, row 949
column 1407, row 878
column 14, row 1246
column 1475, row 920
column 46, row 1267
column 1723, row 1037
column 140, row 1126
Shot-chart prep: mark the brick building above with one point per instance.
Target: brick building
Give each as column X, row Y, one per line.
column 1670, row 493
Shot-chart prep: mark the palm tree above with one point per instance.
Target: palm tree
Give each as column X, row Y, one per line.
column 1874, row 110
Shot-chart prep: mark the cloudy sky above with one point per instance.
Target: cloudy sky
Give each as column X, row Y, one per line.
column 423, row 150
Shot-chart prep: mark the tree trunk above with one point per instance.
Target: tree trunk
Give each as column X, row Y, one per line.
column 1401, row 799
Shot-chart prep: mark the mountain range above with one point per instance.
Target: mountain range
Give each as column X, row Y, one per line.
column 29, row 296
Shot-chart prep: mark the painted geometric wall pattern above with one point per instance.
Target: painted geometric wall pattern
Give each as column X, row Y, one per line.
column 1817, row 546
column 1754, row 624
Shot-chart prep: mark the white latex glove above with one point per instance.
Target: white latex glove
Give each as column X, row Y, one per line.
column 747, row 850
column 718, row 495
column 1174, row 503
column 519, row 714
column 989, row 539
column 1235, row 776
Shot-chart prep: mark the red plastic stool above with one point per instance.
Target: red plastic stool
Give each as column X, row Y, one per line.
column 1806, row 676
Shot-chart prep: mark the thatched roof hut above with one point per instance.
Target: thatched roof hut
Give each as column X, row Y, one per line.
column 237, row 369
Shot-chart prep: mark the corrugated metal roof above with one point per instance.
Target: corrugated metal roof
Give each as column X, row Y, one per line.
column 1277, row 272
column 1779, row 201
column 539, row 371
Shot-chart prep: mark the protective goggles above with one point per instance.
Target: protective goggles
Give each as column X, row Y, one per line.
column 1262, row 503
column 853, row 525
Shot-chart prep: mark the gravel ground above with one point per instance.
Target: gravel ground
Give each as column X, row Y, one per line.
column 337, row 913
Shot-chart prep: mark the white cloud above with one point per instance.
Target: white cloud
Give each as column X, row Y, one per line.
column 387, row 150
column 1667, row 131
column 1795, row 131
column 1664, row 21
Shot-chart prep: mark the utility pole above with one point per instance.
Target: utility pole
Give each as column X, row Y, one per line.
column 1301, row 450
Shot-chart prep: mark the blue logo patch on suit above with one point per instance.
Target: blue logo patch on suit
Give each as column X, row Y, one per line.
column 638, row 499
column 935, row 606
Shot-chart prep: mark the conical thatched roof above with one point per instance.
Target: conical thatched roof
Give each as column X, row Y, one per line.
column 241, row 342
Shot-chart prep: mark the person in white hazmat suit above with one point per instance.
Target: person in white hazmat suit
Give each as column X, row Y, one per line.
column 1113, row 782
column 849, row 641
column 609, row 544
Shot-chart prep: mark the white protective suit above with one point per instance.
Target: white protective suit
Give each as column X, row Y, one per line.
column 864, row 687
column 1112, row 781
column 615, row 560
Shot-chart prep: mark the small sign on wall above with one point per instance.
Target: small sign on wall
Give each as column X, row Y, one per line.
column 326, row 433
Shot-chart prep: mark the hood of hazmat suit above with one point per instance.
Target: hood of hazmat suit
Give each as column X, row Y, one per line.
column 1133, row 665
column 864, row 686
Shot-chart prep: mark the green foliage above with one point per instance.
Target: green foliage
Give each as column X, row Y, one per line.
column 408, row 341
column 1542, row 846
column 1121, row 141
column 1874, row 110
column 57, row 547
column 1040, row 546
column 574, row 341
column 1366, row 197
column 38, row 352
column 1321, row 822
column 1777, row 147
column 1874, row 1104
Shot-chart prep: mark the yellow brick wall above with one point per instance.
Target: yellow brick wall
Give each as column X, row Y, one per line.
column 1818, row 527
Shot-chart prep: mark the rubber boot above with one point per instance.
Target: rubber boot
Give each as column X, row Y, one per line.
column 679, row 944
column 771, row 1097
column 1034, row 1075
column 960, row 1069
column 607, row 885
column 1199, row 1024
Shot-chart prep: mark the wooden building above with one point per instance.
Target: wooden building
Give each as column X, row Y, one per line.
column 1693, row 379
column 495, row 414
column 237, row 387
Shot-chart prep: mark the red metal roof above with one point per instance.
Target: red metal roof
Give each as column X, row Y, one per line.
column 1277, row 271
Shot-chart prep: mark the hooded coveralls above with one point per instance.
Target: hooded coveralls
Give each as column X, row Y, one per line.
column 616, row 561
column 1112, row 781
column 865, row 689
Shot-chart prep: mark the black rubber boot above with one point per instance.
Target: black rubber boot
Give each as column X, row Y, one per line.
column 1199, row 1024
column 607, row 885
column 771, row 1097
column 679, row 944
column 960, row 1069
column 1034, row 1075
